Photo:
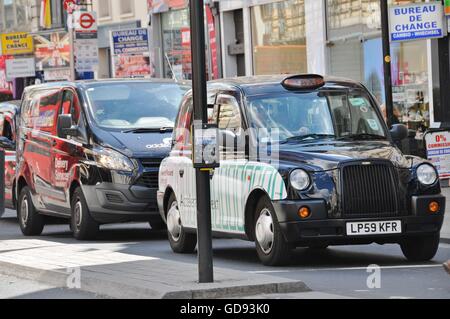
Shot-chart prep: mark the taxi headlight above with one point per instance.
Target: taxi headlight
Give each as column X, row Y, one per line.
column 300, row 179
column 426, row 174
column 110, row 159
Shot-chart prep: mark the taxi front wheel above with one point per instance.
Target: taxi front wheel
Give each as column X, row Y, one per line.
column 83, row 226
column 181, row 241
column 271, row 246
column 421, row 248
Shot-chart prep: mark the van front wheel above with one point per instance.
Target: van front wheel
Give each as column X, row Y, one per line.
column 271, row 246
column 180, row 241
column 83, row 226
column 30, row 221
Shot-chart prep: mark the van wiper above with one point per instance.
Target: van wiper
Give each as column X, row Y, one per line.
column 149, row 130
column 363, row 136
column 309, row 136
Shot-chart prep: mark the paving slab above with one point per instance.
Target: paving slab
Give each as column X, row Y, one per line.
column 119, row 275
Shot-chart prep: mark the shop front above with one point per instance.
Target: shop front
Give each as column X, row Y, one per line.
column 272, row 37
column 171, row 48
column 355, row 51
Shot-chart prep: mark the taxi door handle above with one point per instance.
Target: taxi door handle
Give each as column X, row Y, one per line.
column 181, row 173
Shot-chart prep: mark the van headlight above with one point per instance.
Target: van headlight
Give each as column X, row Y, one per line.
column 110, row 159
column 300, row 179
column 426, row 174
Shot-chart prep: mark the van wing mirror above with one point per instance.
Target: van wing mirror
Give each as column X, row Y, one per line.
column 399, row 132
column 65, row 127
column 7, row 144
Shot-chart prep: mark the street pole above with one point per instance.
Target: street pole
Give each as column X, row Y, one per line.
column 204, row 236
column 387, row 62
column 72, row 49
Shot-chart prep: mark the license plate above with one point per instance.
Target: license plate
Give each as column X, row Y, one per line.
column 374, row 228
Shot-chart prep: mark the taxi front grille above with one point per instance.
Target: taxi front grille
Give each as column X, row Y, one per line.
column 368, row 191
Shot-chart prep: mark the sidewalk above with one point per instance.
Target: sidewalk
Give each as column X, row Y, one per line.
column 118, row 275
column 445, row 233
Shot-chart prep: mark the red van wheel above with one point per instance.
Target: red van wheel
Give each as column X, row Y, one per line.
column 84, row 227
column 30, row 221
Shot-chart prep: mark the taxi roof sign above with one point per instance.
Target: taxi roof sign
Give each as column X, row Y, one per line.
column 304, row 82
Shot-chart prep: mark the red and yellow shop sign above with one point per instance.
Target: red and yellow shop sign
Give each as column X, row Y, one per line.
column 16, row 43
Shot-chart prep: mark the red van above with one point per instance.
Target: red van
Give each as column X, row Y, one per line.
column 90, row 152
column 8, row 113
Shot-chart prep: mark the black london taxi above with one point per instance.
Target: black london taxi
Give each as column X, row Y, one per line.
column 8, row 112
column 90, row 152
column 311, row 163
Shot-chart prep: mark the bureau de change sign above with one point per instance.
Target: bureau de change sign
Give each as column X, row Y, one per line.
column 417, row 21
column 129, row 41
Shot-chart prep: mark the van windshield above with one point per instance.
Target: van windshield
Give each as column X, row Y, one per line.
column 316, row 115
column 129, row 106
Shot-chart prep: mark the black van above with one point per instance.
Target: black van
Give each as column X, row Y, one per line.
column 90, row 152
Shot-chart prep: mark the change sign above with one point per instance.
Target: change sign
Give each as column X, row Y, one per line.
column 16, row 43
column 129, row 41
column 417, row 21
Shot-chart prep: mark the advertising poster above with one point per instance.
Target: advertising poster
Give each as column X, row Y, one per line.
column 132, row 66
column 438, row 152
column 16, row 43
column 131, row 57
column 52, row 51
column 447, row 7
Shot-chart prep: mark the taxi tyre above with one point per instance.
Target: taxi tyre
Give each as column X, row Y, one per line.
column 30, row 221
column 87, row 228
column 280, row 252
column 420, row 248
column 186, row 242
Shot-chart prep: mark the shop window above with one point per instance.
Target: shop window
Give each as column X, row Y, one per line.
column 177, row 44
column 347, row 13
column 126, row 7
column 104, row 9
column 279, row 40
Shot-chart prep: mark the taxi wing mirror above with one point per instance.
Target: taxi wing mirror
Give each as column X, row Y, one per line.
column 399, row 132
column 65, row 127
column 7, row 144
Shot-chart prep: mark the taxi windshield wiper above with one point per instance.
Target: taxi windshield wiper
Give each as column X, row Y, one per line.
column 309, row 137
column 363, row 136
column 149, row 130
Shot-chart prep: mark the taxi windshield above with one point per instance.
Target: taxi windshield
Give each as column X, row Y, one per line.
column 135, row 106
column 316, row 115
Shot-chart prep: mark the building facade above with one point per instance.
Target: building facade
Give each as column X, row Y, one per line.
column 336, row 37
column 114, row 15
